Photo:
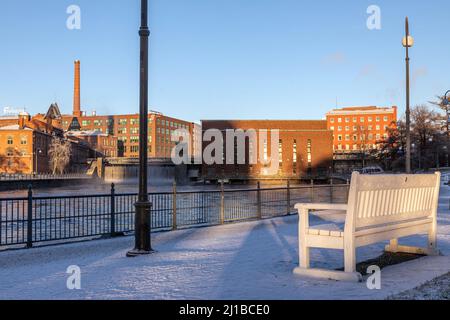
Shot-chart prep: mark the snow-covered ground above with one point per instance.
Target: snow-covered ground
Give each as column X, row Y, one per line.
column 252, row 260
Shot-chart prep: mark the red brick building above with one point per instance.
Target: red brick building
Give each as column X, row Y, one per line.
column 104, row 145
column 358, row 129
column 25, row 142
column 304, row 149
column 126, row 130
column 126, row 127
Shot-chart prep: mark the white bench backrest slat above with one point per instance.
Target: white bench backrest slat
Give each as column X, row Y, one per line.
column 390, row 199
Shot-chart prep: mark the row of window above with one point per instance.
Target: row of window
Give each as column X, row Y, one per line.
column 10, row 140
column 361, row 128
column 356, row 147
column 171, row 124
column 10, row 152
column 361, row 119
column 362, row 137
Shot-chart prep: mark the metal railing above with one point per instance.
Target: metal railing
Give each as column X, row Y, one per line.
column 42, row 176
column 32, row 221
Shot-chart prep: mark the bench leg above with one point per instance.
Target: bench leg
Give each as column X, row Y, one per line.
column 350, row 259
column 393, row 246
column 304, row 257
column 432, row 239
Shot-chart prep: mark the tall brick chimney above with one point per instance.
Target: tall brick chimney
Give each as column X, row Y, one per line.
column 76, row 91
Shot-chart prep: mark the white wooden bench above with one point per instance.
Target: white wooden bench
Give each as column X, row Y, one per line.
column 380, row 208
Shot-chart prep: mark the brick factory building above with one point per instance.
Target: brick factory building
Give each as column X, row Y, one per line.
column 25, row 142
column 358, row 129
column 126, row 128
column 103, row 144
column 305, row 150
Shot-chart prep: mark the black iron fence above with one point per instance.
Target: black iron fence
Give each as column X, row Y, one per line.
column 32, row 221
column 42, row 176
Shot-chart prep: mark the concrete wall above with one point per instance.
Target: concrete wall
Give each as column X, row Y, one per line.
column 157, row 174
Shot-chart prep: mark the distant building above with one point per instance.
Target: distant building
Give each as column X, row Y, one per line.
column 357, row 129
column 197, row 142
column 305, row 150
column 125, row 127
column 25, row 142
column 104, row 145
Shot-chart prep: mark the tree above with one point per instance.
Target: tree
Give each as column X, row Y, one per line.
column 427, row 141
column 390, row 151
column 362, row 138
column 59, row 152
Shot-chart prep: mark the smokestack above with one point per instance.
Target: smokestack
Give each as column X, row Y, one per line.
column 76, row 92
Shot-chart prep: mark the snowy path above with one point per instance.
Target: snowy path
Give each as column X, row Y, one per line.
column 252, row 260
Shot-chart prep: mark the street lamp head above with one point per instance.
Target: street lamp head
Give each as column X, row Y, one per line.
column 408, row 41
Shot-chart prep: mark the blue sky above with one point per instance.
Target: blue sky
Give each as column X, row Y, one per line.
column 217, row 59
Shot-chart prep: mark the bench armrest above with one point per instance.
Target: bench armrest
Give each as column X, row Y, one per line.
column 321, row 206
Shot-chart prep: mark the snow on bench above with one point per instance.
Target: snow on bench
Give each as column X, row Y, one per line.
column 380, row 208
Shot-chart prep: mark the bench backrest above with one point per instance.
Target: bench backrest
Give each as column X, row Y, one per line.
column 376, row 200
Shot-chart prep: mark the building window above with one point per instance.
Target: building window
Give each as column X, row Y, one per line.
column 10, row 140
column 23, row 140
column 347, row 137
column 134, row 149
column 134, row 121
column 347, row 120
column 378, row 119
column 340, row 137
column 378, row 127
column 355, row 119
column 347, row 128
column 361, row 119
column 332, row 128
column 134, row 130
column 280, row 152
column 331, row 120
column 294, row 153
column 85, row 123
column 339, row 120
column 265, row 151
column 123, row 122
column 355, row 137
column 10, row 152
column 339, row 128
column 309, row 153
column 370, row 128
column 98, row 123
column 122, row 131
column 369, row 119
column 386, row 119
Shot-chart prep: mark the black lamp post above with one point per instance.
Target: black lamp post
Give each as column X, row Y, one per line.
column 143, row 206
column 446, row 103
column 408, row 42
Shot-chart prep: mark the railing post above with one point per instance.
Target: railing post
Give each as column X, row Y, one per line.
column 174, row 206
column 348, row 190
column 258, row 199
column 222, row 203
column 288, row 197
column 30, row 218
column 113, row 210
column 312, row 190
column 331, row 190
